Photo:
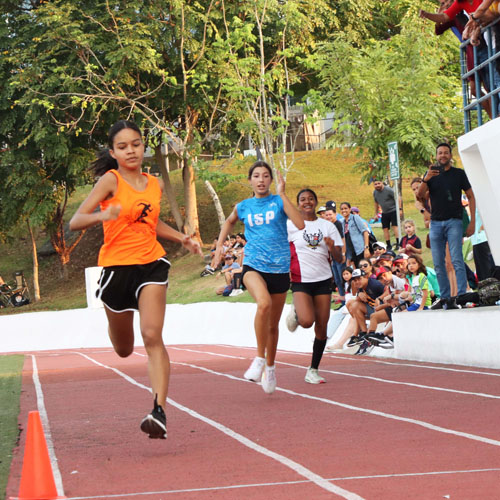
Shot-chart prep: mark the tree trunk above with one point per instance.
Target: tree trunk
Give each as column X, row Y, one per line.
column 169, row 190
column 191, row 221
column 36, row 284
column 218, row 206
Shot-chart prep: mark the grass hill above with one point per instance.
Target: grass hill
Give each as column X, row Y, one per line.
column 328, row 173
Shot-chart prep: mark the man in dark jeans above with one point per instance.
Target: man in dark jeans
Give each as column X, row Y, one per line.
column 445, row 184
column 384, row 196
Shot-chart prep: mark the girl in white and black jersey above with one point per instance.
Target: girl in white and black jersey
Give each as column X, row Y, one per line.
column 311, row 250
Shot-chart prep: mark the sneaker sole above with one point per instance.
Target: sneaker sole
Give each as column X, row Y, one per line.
column 154, row 428
column 323, row 381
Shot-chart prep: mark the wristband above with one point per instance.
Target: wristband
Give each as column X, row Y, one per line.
column 475, row 19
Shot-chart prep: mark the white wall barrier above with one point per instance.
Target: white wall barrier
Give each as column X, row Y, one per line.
column 480, row 153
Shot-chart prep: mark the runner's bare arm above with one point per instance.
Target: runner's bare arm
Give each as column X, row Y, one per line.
column 85, row 216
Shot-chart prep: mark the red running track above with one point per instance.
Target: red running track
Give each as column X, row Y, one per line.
column 378, row 429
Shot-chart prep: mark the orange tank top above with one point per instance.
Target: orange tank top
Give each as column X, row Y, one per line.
column 131, row 238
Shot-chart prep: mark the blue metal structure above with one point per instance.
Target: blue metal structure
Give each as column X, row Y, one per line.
column 492, row 78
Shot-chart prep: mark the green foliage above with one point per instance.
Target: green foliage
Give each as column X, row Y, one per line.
column 390, row 90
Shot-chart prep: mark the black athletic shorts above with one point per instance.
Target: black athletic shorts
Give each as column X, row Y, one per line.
column 388, row 219
column 276, row 283
column 315, row 288
column 120, row 286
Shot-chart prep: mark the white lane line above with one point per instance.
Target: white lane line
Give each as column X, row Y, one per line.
column 410, row 384
column 206, row 352
column 377, row 379
column 40, row 401
column 429, row 367
column 282, row 483
column 294, row 466
column 420, row 423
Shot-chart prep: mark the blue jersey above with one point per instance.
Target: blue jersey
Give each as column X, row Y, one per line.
column 267, row 249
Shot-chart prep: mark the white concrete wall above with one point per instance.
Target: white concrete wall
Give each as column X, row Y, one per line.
column 467, row 336
column 463, row 337
column 480, row 154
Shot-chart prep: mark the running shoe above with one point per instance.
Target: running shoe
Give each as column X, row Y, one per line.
column 387, row 343
column 364, row 348
column 155, row 424
column 268, row 380
column 354, row 340
column 292, row 321
column 312, row 377
column 375, row 338
column 254, row 373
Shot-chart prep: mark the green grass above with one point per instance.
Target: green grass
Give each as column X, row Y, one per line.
column 10, row 390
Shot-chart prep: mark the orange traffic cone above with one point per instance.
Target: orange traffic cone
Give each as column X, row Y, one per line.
column 37, row 479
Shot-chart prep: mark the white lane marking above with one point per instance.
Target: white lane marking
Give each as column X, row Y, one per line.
column 410, row 384
column 396, row 362
column 206, row 352
column 401, row 363
column 377, row 379
column 294, row 466
column 40, row 401
column 282, row 483
column 420, row 423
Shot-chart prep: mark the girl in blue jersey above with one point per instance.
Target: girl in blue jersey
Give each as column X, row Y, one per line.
column 266, row 264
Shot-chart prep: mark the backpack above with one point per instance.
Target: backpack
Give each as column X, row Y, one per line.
column 489, row 291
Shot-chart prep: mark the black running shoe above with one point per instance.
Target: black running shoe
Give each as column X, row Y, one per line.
column 375, row 338
column 354, row 340
column 438, row 304
column 364, row 348
column 387, row 343
column 155, row 424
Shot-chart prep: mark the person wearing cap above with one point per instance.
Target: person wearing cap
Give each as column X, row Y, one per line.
column 363, row 306
column 311, row 275
column 321, row 211
column 356, row 236
column 383, row 196
column 399, row 265
column 379, row 248
column 444, row 185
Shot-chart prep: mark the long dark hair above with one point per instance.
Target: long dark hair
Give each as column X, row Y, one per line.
column 260, row 163
column 420, row 262
column 104, row 160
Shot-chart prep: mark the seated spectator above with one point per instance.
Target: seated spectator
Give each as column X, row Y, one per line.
column 230, row 270
column 386, row 259
column 379, row 248
column 366, row 266
column 418, row 295
column 399, row 265
column 383, row 312
column 410, row 244
column 363, row 306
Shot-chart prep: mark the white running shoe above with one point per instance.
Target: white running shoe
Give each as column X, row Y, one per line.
column 313, row 377
column 254, row 373
column 291, row 319
column 268, row 380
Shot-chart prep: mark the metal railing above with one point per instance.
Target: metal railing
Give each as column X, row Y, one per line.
column 492, row 78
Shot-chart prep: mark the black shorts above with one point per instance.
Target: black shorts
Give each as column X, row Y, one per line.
column 388, row 219
column 120, row 286
column 315, row 288
column 276, row 283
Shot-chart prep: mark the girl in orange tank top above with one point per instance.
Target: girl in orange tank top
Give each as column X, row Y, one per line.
column 135, row 270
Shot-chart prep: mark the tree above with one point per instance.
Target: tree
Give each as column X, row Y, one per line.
column 399, row 89
column 90, row 64
column 39, row 165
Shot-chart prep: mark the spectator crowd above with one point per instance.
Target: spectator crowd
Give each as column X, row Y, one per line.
column 375, row 279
